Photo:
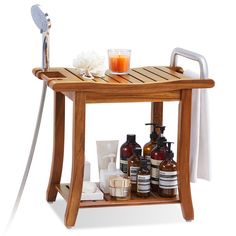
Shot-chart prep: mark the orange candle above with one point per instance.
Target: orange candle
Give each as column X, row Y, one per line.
column 119, row 61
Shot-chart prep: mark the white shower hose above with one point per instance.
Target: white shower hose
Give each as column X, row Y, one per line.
column 30, row 158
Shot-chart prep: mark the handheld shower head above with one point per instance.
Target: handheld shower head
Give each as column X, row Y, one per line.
column 40, row 18
column 42, row 21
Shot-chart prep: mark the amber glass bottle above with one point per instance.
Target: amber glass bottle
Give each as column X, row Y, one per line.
column 168, row 183
column 126, row 151
column 148, row 147
column 157, row 156
column 133, row 167
column 143, row 180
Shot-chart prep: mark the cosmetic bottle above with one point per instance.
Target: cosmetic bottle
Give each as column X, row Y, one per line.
column 157, row 156
column 168, row 183
column 126, row 151
column 105, row 174
column 143, row 180
column 148, row 147
column 133, row 167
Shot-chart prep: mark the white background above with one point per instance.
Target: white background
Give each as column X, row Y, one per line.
column 151, row 28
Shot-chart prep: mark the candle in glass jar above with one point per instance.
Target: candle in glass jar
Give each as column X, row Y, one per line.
column 119, row 61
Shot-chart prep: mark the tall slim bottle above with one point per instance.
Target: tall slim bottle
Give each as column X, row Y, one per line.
column 157, row 156
column 133, row 167
column 148, row 147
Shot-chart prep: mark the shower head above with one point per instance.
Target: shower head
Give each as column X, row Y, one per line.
column 41, row 18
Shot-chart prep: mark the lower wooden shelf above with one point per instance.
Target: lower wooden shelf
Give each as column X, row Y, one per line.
column 63, row 189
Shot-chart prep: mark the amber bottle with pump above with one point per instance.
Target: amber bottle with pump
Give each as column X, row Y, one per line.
column 133, row 167
column 157, row 156
column 168, row 183
column 126, row 151
column 148, row 147
column 143, row 180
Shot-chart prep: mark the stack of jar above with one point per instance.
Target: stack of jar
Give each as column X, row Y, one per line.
column 155, row 171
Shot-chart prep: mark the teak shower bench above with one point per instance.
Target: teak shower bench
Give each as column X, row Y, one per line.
column 147, row 84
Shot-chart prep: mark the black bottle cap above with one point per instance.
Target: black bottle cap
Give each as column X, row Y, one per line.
column 169, row 153
column 162, row 128
column 131, row 138
column 137, row 151
column 143, row 163
column 154, row 134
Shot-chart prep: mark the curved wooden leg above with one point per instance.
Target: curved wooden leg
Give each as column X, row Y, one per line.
column 77, row 159
column 184, row 126
column 58, row 146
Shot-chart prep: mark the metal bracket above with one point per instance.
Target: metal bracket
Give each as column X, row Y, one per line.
column 192, row 56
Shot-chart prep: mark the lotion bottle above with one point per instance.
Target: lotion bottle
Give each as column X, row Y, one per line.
column 168, row 183
column 157, row 156
column 148, row 147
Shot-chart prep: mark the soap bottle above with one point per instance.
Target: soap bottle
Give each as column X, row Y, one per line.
column 143, row 180
column 105, row 174
column 157, row 156
column 126, row 151
column 168, row 182
column 148, row 147
column 133, row 167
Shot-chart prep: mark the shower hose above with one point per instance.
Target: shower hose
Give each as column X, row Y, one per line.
column 30, row 157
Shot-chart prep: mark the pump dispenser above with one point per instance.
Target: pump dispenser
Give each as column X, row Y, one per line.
column 105, row 174
column 168, row 183
column 133, row 167
column 157, row 156
column 148, row 147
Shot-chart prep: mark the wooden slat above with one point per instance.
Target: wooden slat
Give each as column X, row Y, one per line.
column 141, row 77
column 78, row 76
column 108, row 202
column 158, row 72
column 118, row 78
column 153, row 77
column 172, row 72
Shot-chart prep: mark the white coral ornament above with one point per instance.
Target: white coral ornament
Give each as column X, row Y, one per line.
column 89, row 65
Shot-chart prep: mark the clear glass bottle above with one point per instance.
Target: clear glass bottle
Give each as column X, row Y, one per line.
column 126, row 151
column 143, row 180
column 168, row 183
column 148, row 147
column 133, row 167
column 157, row 156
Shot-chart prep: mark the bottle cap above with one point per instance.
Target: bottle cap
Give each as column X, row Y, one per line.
column 153, row 134
column 131, row 138
column 143, row 163
column 169, row 154
column 137, row 151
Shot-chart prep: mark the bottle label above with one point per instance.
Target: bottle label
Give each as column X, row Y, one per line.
column 148, row 158
column 124, row 165
column 143, row 183
column 168, row 180
column 155, row 171
column 133, row 174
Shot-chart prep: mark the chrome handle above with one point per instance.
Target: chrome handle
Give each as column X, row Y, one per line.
column 192, row 56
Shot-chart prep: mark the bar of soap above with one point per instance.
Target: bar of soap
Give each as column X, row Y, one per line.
column 89, row 187
column 119, row 182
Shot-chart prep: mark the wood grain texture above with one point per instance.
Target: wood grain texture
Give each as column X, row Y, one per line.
column 58, row 146
column 157, row 113
column 77, row 172
column 108, row 202
column 183, row 151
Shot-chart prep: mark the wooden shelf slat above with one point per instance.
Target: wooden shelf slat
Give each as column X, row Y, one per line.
column 108, row 202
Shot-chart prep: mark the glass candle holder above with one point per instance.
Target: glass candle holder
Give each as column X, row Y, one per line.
column 119, row 61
